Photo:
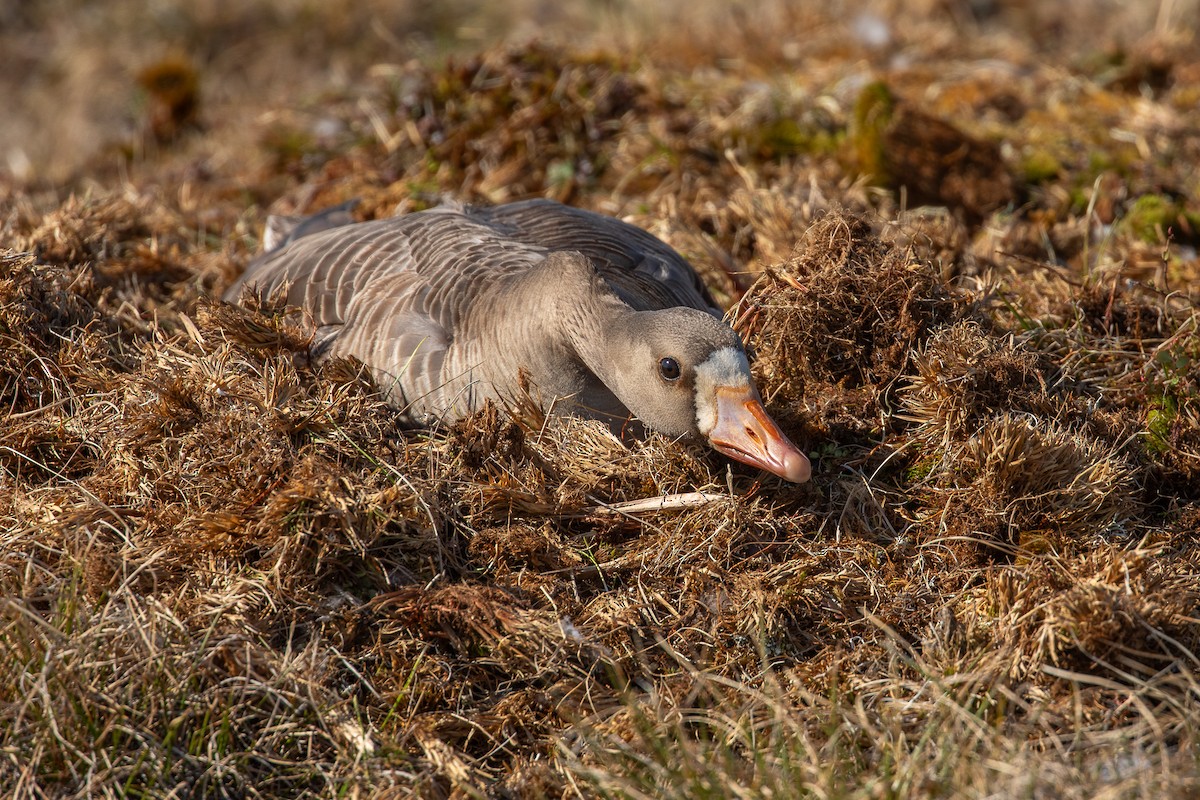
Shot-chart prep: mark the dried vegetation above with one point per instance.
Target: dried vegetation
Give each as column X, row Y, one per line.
column 226, row 572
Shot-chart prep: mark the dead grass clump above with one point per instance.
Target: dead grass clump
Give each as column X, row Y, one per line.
column 534, row 465
column 963, row 375
column 517, row 121
column 517, row 546
column 1110, row 312
column 260, row 325
column 1006, row 449
column 767, row 738
column 841, row 318
column 935, row 235
column 43, row 310
column 1031, row 478
column 512, row 666
column 521, row 640
column 938, row 164
column 119, row 236
column 1137, row 350
column 1121, row 611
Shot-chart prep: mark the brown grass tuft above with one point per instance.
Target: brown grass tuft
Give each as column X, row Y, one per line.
column 835, row 326
column 963, row 376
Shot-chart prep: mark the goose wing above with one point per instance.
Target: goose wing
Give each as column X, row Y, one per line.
column 394, row 293
column 641, row 269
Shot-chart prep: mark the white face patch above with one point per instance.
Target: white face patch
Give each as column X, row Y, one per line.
column 725, row 367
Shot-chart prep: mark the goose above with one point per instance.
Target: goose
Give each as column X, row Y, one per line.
column 457, row 305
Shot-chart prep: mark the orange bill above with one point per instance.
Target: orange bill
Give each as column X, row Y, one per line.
column 746, row 433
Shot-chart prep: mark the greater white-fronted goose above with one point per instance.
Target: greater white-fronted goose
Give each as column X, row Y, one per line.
column 448, row 307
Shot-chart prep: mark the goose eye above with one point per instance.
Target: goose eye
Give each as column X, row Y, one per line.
column 669, row 368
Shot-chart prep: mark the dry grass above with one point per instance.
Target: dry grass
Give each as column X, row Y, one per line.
column 226, row 572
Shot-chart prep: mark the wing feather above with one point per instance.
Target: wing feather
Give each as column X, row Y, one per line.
column 643, row 270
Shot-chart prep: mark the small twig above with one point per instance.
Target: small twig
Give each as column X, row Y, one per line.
column 665, row 502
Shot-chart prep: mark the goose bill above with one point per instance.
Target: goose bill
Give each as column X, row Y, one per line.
column 746, row 433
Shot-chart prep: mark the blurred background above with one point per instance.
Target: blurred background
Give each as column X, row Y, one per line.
column 87, row 87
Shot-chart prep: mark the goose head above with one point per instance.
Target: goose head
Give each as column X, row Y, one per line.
column 684, row 373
